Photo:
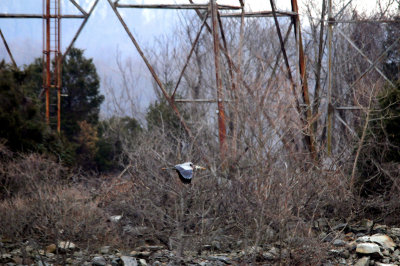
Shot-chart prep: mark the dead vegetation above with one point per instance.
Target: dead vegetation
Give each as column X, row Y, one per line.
column 267, row 188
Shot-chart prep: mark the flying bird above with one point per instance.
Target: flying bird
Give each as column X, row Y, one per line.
column 185, row 171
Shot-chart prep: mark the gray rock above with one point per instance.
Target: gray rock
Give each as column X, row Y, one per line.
column 128, row 261
column 371, row 249
column 394, row 231
column 321, row 224
column 223, row 259
column 339, row 243
column 383, row 240
column 154, row 248
column 384, row 264
column 339, row 227
column 216, row 245
column 42, row 263
column 142, row 262
column 4, row 258
column 345, row 254
column 105, row 249
column 116, row 262
column 364, row 225
column 136, row 253
column 386, row 252
column 379, row 228
column 115, row 218
column 364, row 261
column 271, row 254
column 66, row 245
column 78, row 254
column 99, row 261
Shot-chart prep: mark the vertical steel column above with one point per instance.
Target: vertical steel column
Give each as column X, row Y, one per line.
column 303, row 78
column 46, row 61
column 59, row 65
column 330, row 108
column 51, row 51
column 221, row 112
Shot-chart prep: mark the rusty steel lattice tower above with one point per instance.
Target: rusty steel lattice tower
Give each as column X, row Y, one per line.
column 210, row 17
column 52, row 53
column 53, row 57
column 212, row 11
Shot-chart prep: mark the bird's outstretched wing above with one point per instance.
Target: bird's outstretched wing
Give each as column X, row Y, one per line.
column 184, row 174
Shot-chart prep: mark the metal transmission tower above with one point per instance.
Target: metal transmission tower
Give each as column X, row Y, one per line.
column 212, row 10
column 52, row 53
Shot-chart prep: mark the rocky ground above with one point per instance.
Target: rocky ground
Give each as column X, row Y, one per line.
column 361, row 244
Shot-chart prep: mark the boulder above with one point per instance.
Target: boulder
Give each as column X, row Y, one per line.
column 364, row 261
column 51, row 248
column 364, row 226
column 370, row 249
column 339, row 243
column 105, row 249
column 142, row 262
column 383, row 240
column 394, row 231
column 99, row 261
column 384, row 264
column 128, row 261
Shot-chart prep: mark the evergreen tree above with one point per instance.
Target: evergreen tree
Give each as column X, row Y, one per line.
column 81, row 84
column 22, row 127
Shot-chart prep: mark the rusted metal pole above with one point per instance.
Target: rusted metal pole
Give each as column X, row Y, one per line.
column 153, row 73
column 330, row 107
column 317, row 89
column 189, row 55
column 8, row 49
column 303, row 78
column 59, row 65
column 47, row 60
column 289, row 72
column 44, row 16
column 79, row 7
column 199, row 100
column 80, row 28
column 260, row 14
column 221, row 112
column 176, row 6
column 239, row 77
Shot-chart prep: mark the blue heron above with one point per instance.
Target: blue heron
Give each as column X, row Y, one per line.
column 185, row 171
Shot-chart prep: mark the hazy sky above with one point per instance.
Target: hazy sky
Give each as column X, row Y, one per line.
column 103, row 35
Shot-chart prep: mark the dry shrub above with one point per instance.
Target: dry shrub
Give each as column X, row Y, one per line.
column 52, row 214
column 24, row 174
column 251, row 203
column 38, row 204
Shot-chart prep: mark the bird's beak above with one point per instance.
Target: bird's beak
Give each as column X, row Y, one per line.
column 198, row 167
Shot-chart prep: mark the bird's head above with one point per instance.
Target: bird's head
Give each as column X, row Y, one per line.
column 197, row 167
